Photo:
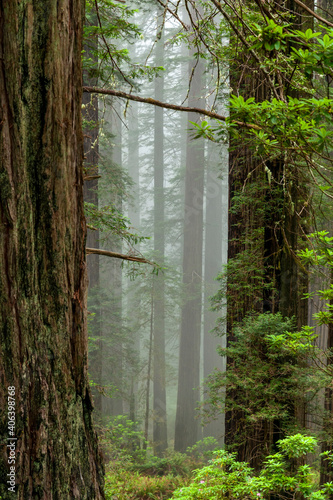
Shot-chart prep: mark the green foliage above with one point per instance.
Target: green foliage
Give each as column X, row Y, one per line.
column 270, row 36
column 268, row 373
column 318, row 55
column 104, row 31
column 122, row 442
column 226, row 478
column 297, row 445
column 122, row 484
column 203, row 449
column 292, row 123
column 109, row 218
column 269, row 370
column 245, row 277
column 202, row 129
column 290, row 117
column 132, row 473
column 171, row 464
column 321, row 254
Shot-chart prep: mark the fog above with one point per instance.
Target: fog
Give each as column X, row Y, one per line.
column 151, row 336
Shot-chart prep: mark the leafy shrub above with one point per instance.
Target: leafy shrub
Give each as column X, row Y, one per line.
column 122, row 442
column 172, row 463
column 181, row 464
column 226, row 478
column 268, row 375
column 203, row 450
column 134, row 474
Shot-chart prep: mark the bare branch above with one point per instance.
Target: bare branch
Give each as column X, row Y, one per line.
column 116, row 255
column 305, row 7
column 174, row 14
column 175, row 107
column 91, row 177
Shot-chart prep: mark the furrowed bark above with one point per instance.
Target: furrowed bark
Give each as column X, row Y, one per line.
column 43, row 334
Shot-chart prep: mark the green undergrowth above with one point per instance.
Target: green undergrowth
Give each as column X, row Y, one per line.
column 203, row 473
column 122, row 484
column 133, row 472
column 284, row 475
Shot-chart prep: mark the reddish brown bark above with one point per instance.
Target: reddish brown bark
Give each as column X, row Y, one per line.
column 43, row 336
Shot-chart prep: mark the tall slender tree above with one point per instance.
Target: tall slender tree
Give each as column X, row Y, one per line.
column 133, row 299
column 187, row 427
column 215, row 218
column 90, row 193
column 111, row 281
column 325, row 8
column 159, row 404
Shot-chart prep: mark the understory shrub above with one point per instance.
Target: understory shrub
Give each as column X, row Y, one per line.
column 132, row 472
column 283, row 475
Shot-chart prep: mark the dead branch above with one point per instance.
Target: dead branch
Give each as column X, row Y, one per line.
column 116, row 255
column 310, row 11
column 175, row 107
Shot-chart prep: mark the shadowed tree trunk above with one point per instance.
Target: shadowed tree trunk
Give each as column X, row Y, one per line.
column 283, row 282
column 43, row 334
column 90, row 193
column 326, row 472
column 111, row 281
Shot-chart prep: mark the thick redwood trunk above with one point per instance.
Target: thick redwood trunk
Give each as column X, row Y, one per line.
column 43, row 343
column 268, row 228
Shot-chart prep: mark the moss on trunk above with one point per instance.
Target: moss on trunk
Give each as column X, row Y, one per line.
column 43, row 343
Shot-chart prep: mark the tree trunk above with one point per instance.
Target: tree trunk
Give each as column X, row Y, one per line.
column 43, row 343
column 283, row 282
column 133, row 299
column 111, row 287
column 213, row 266
column 326, row 472
column 90, row 194
column 160, row 413
column 187, row 427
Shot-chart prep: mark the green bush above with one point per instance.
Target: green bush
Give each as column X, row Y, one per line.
column 133, row 473
column 268, row 375
column 122, row 442
column 172, row 463
column 203, row 450
column 226, row 478
column 179, row 464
